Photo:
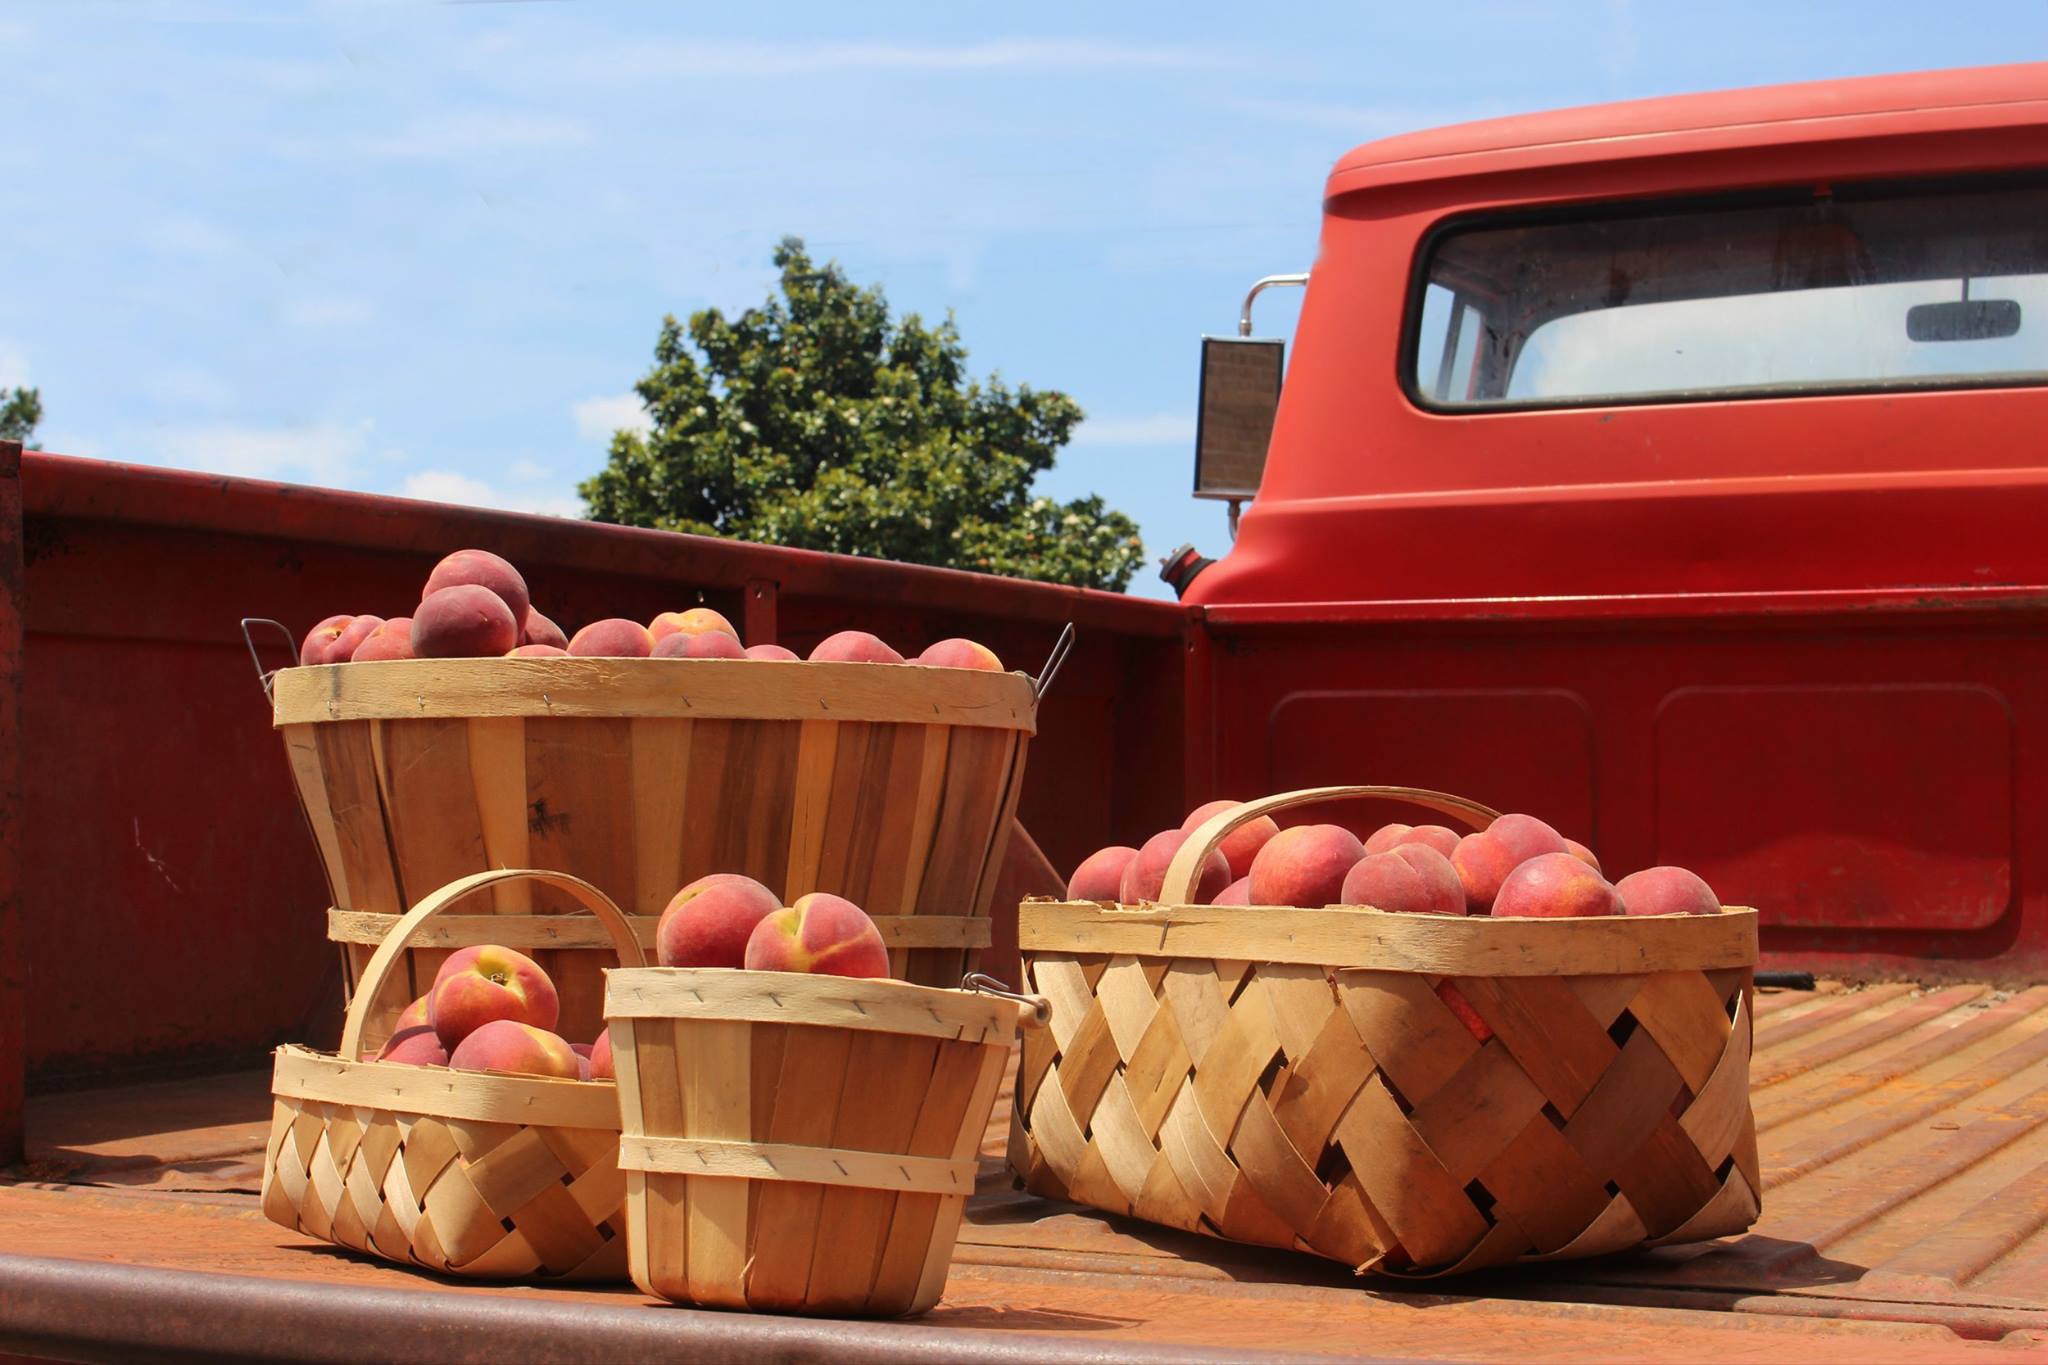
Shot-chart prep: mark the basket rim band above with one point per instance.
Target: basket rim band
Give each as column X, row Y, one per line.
column 682, row 689
column 1362, row 938
column 484, row 1097
column 582, row 931
column 880, row 1005
column 742, row 1160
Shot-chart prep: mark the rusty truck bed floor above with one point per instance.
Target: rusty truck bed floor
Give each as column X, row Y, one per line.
column 1904, row 1134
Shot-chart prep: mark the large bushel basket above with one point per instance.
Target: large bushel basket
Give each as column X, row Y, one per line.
column 467, row 1173
column 1293, row 1078
column 800, row 1144
column 894, row 786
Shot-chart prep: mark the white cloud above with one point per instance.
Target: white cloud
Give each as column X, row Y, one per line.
column 717, row 57
column 184, row 234
column 529, row 471
column 186, row 386
column 328, row 310
column 13, row 366
column 326, row 453
column 598, row 418
column 1357, row 122
column 475, row 130
column 444, row 485
column 1161, row 428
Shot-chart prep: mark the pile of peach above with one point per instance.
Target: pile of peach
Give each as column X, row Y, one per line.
column 475, row 605
column 1516, row 866
column 492, row 1008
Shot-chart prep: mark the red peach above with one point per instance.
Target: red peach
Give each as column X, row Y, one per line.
column 1242, row 844
column 1555, row 886
column 772, row 652
column 601, row 1057
column 538, row 652
column 419, row 1014
column 695, row 621
column 1460, row 1006
column 1583, row 854
column 1483, row 863
column 823, row 934
column 959, row 653
column 1238, row 892
column 854, row 647
column 392, row 640
column 320, row 639
column 463, row 622
column 415, row 1046
column 507, row 1045
column 1304, row 866
column 708, row 644
column 1525, row 837
column 359, row 629
column 1432, row 836
column 1383, row 839
column 1667, row 891
column 1384, row 882
column 706, row 924
column 1100, row 874
column 479, row 984
column 539, row 630
column 1439, row 879
column 1144, row 876
column 484, row 570
column 612, row 638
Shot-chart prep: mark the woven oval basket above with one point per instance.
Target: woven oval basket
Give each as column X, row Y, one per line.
column 893, row 786
column 467, row 1173
column 1293, row 1078
column 800, row 1144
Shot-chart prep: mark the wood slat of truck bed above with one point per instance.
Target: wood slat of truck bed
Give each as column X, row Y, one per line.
column 1904, row 1135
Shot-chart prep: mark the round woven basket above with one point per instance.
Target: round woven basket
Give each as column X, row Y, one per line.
column 894, row 786
column 467, row 1173
column 799, row 1144
column 1295, row 1078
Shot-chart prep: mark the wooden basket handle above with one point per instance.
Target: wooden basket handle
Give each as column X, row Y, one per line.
column 1183, row 872
column 371, row 984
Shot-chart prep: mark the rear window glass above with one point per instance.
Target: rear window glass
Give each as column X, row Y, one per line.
column 1854, row 290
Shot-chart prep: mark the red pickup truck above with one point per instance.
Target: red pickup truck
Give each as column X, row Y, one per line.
column 1672, row 470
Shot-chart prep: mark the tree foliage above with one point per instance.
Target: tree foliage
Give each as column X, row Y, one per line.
column 817, row 421
column 20, row 410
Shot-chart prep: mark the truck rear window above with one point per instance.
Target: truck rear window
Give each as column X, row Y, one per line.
column 1858, row 289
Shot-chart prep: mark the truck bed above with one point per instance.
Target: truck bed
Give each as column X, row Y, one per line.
column 1904, row 1134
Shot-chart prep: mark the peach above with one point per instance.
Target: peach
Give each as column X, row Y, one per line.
column 1304, row 866
column 539, row 630
column 1383, row 839
column 1555, row 886
column 709, row 644
column 707, row 923
column 1439, row 879
column 1525, row 837
column 695, row 621
column 1455, row 1000
column 1242, row 844
column 538, row 652
column 612, row 638
column 358, row 629
column 1667, row 891
column 601, row 1057
column 482, row 569
column 773, row 652
column 823, row 934
column 959, row 653
column 392, row 640
column 507, row 1045
column 1583, row 854
column 1144, row 876
column 479, row 984
column 1432, row 836
column 1482, row 863
column 415, row 1046
column 1411, row 879
column 416, row 1015
column 1238, row 892
column 1100, row 874
column 321, row 638
column 463, row 622
column 854, row 647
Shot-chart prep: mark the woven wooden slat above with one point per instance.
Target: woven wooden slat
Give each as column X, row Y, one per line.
column 486, row 1176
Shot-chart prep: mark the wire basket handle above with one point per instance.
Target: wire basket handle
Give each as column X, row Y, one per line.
column 1061, row 648
column 1037, row 1011
column 386, row 957
column 1183, row 872
column 291, row 648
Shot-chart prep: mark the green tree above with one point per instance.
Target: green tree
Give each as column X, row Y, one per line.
column 819, row 422
column 20, row 410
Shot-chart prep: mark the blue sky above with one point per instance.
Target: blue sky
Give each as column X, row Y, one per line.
column 423, row 248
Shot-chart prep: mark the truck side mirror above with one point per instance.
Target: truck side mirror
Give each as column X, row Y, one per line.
column 1240, row 394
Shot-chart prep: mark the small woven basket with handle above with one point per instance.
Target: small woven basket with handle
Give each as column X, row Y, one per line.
column 468, row 1173
column 1294, row 1078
